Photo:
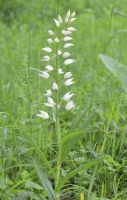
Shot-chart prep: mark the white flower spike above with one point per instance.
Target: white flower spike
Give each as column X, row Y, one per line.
column 49, row 68
column 71, row 29
column 68, row 45
column 67, row 96
column 69, row 105
column 57, row 23
column 69, row 82
column 44, row 74
column 55, row 86
column 43, row 114
column 69, row 61
column 48, row 93
column 47, row 49
column 68, row 75
column 46, row 58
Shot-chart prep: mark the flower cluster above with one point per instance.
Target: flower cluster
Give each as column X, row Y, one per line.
column 60, row 58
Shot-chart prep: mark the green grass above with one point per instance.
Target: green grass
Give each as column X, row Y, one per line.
column 100, row 29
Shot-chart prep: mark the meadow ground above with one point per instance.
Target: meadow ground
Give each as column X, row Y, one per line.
column 101, row 28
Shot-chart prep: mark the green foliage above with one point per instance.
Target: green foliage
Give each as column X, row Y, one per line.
column 95, row 164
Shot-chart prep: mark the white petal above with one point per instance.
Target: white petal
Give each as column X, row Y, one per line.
column 66, row 32
column 56, row 40
column 59, row 19
column 66, row 20
column 50, row 102
column 73, row 14
column 49, row 68
column 69, row 82
column 68, row 45
column 67, row 96
column 69, row 105
column 47, row 49
column 49, row 40
column 67, row 38
column 59, row 52
column 68, row 75
column 57, row 23
column 44, row 74
column 68, row 14
column 72, row 19
column 43, row 115
column 69, row 61
column 71, row 29
column 50, row 32
column 66, row 54
column 60, row 71
column 46, row 58
column 49, row 93
column 55, row 86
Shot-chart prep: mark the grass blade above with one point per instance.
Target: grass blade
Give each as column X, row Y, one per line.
column 45, row 182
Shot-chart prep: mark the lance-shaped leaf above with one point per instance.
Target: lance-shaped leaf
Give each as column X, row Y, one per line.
column 44, row 181
column 118, row 69
column 71, row 141
column 77, row 170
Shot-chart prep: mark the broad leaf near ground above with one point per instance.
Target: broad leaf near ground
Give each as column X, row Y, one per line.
column 118, row 69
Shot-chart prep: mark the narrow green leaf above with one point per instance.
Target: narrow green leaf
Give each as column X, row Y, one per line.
column 24, row 195
column 79, row 169
column 45, row 182
column 69, row 142
column 40, row 153
column 77, row 120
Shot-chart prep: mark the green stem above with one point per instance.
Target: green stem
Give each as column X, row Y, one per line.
column 58, row 137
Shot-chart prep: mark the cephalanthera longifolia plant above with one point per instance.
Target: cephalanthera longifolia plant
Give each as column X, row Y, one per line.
column 57, row 59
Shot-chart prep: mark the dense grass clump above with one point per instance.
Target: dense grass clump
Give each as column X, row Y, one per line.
column 100, row 29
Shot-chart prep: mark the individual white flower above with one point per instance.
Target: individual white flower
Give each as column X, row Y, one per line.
column 57, row 23
column 66, row 54
column 46, row 58
column 72, row 19
column 43, row 114
column 69, row 82
column 47, row 49
column 68, row 14
column 66, row 20
column 59, row 52
column 50, row 102
column 60, row 71
column 69, row 105
column 68, row 75
column 66, row 32
column 50, row 32
column 71, row 29
column 49, row 40
column 73, row 14
column 44, row 74
column 59, row 19
column 56, row 40
column 67, row 45
column 67, row 96
column 48, row 93
column 67, row 38
column 49, row 68
column 69, row 61
column 55, row 86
